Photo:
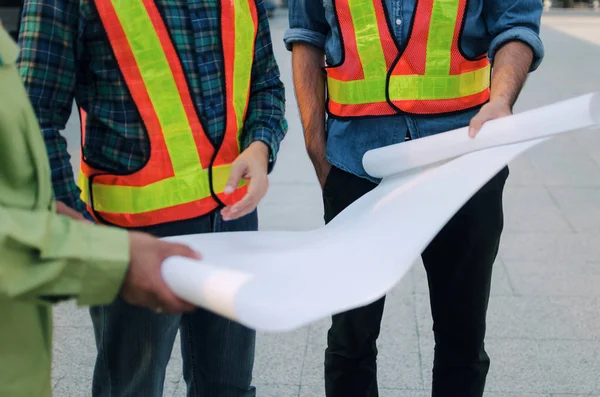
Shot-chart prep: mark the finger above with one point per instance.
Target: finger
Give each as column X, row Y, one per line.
column 169, row 302
column 256, row 190
column 235, row 211
column 476, row 124
column 176, row 249
column 237, row 171
column 141, row 299
column 226, row 213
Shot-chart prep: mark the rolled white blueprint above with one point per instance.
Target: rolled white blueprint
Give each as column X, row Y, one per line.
column 546, row 121
column 279, row 281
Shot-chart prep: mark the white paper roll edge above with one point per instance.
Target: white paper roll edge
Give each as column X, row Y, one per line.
column 576, row 113
column 205, row 285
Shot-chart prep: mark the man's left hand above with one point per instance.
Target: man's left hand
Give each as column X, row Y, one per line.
column 63, row 209
column 490, row 111
column 252, row 165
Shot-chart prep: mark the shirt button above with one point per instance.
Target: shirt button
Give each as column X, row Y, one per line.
column 398, row 21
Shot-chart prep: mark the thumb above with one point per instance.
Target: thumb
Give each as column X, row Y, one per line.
column 237, row 171
column 476, row 124
column 175, row 249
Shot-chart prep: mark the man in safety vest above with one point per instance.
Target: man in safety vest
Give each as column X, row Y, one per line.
column 182, row 114
column 396, row 70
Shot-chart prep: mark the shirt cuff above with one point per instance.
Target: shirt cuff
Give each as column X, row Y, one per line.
column 268, row 138
column 103, row 278
column 524, row 35
column 300, row 35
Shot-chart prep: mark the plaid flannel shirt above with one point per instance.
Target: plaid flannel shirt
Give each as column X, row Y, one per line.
column 66, row 56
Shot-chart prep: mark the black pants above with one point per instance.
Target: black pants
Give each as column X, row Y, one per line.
column 459, row 269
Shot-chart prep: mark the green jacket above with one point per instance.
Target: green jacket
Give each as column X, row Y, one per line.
column 44, row 257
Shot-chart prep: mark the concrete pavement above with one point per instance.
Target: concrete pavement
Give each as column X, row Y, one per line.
column 544, row 317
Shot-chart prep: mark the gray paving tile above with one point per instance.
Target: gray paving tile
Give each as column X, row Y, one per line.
column 492, row 394
column 399, row 319
column 74, row 355
column 180, row 390
column 550, row 247
column 293, row 164
column 532, row 209
column 531, row 317
column 545, row 366
column 536, row 366
column 277, row 391
column 403, row 393
column 559, row 145
column 581, row 206
column 406, row 285
column 318, row 332
column 73, row 386
column 312, row 373
column 561, row 162
column 172, row 388
column 544, row 317
column 554, row 278
column 383, row 392
column 574, row 395
column 173, row 374
column 67, row 314
column 500, row 281
column 312, row 391
column 279, row 357
column 398, row 365
column 589, row 141
column 291, row 207
column 523, row 173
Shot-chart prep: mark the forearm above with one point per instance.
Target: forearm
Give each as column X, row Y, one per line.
column 45, row 256
column 511, row 67
column 265, row 121
column 309, row 84
column 47, row 64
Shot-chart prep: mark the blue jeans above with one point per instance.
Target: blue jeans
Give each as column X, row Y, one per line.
column 135, row 344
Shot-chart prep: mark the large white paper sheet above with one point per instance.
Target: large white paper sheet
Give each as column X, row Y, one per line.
column 279, row 281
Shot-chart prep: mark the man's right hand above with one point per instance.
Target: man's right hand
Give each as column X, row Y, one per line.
column 144, row 285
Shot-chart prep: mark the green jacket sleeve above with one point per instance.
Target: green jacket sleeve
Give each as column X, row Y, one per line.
column 45, row 256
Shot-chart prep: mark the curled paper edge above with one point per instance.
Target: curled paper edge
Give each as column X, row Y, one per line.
column 545, row 121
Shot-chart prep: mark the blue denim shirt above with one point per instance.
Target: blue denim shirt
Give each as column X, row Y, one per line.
column 489, row 24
